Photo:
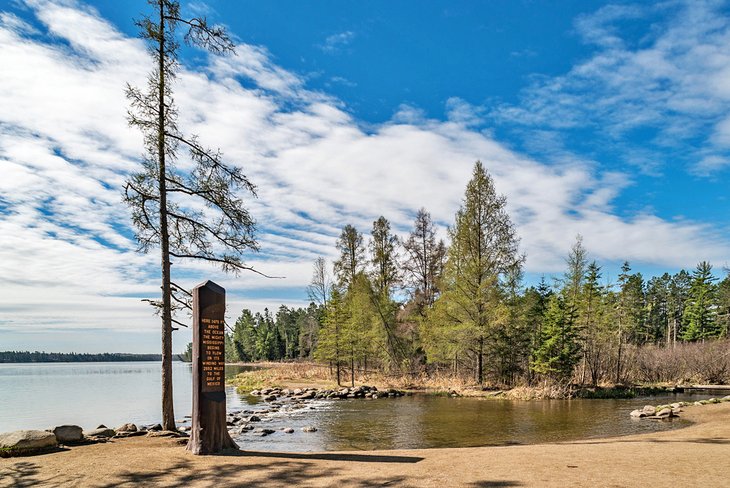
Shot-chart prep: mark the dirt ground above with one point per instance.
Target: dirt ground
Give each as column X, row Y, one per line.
column 698, row 455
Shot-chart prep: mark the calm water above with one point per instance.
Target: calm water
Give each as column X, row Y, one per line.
column 88, row 394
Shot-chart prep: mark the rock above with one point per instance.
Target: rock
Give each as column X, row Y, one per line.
column 288, row 430
column 264, row 432
column 254, row 418
column 309, row 428
column 297, row 391
column 638, row 414
column 664, row 412
column 99, row 432
column 155, row 427
column 101, row 426
column 675, row 405
column 270, row 398
column 27, row 441
column 66, row 434
column 649, row 410
column 725, row 398
column 127, row 428
column 166, row 433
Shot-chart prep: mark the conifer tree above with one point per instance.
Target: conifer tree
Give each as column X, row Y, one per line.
column 165, row 198
column 352, row 256
column 559, row 350
column 484, row 250
column 701, row 310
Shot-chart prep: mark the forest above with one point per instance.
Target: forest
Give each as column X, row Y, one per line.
column 71, row 357
column 419, row 305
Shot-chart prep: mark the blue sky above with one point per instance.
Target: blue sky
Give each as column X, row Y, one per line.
column 606, row 119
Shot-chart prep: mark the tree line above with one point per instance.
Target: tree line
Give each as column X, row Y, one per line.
column 420, row 304
column 72, row 357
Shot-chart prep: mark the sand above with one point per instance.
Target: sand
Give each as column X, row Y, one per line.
column 698, row 455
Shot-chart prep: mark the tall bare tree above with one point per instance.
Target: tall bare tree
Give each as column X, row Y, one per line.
column 321, row 284
column 196, row 214
column 424, row 259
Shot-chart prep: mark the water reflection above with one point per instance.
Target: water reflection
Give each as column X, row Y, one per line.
column 39, row 396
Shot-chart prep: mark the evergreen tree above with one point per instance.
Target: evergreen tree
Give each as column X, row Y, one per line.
column 676, row 303
column 723, row 307
column 330, row 346
column 657, row 325
column 484, row 250
column 700, row 313
column 384, row 277
column 559, row 350
column 591, row 319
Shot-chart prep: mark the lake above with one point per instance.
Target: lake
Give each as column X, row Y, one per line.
column 42, row 395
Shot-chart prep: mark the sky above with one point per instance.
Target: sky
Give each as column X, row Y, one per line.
column 608, row 120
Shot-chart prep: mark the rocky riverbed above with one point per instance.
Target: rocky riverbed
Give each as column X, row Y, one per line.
column 277, row 405
column 664, row 412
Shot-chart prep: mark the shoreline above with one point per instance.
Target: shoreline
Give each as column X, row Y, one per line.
column 700, row 451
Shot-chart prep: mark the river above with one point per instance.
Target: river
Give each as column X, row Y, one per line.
column 42, row 395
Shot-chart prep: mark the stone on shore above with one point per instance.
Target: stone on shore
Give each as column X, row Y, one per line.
column 100, row 433
column 127, row 428
column 27, row 442
column 638, row 414
column 68, row 434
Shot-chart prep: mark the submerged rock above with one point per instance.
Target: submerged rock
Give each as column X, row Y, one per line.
column 309, row 428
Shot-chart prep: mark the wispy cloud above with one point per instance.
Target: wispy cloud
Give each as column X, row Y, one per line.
column 67, row 255
column 336, row 42
column 671, row 85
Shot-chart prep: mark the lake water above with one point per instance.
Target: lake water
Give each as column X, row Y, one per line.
column 42, row 395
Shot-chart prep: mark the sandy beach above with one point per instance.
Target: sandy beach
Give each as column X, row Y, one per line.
column 698, row 455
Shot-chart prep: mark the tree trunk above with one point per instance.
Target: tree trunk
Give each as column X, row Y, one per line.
column 168, row 411
column 480, row 362
column 352, row 370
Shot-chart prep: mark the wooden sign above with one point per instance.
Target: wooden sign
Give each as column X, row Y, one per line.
column 209, row 433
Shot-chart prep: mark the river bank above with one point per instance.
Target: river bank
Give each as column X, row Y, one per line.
column 312, row 375
column 698, row 455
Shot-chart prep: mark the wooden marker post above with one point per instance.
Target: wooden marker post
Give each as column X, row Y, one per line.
column 209, row 434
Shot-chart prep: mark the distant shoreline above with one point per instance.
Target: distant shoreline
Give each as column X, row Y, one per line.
column 28, row 357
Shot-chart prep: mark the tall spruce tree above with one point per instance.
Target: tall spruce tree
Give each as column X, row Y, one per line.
column 701, row 310
column 484, row 251
column 559, row 350
column 165, row 198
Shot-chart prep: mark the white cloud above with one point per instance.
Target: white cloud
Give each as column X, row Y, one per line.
column 66, row 248
column 673, row 83
column 336, row 42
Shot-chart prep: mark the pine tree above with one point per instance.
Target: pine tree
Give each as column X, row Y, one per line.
column 559, row 350
column 330, row 346
column 700, row 313
column 384, row 275
column 483, row 252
